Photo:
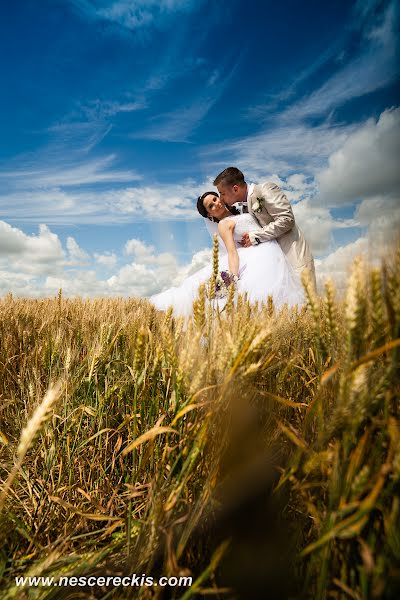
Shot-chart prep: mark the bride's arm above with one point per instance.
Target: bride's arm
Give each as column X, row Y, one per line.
column 225, row 230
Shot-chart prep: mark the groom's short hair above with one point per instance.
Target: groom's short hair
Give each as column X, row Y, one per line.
column 230, row 176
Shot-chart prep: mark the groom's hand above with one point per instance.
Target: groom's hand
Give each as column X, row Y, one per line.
column 246, row 241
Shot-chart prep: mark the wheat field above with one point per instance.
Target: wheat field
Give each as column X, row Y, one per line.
column 254, row 450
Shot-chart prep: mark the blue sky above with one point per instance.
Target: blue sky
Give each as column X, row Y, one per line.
column 116, row 114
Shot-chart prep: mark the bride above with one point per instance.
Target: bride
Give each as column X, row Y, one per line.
column 260, row 270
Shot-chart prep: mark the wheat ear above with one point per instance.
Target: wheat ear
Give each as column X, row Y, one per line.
column 28, row 434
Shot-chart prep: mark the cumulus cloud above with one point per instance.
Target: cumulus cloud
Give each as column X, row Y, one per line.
column 375, row 208
column 142, row 280
column 199, row 260
column 318, row 224
column 12, row 240
column 138, row 248
column 378, row 242
column 30, row 254
column 108, row 260
column 336, row 266
column 366, row 164
column 146, row 255
column 142, row 277
column 38, row 265
column 77, row 255
column 381, row 214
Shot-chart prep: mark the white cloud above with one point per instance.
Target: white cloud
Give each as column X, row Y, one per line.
column 38, row 265
column 336, row 266
column 12, row 240
column 366, row 164
column 318, row 225
column 168, row 201
column 381, row 238
column 101, row 109
column 287, row 141
column 142, row 280
column 358, row 70
column 108, row 260
column 372, row 209
column 77, row 255
column 146, row 255
column 20, row 284
column 298, row 187
column 30, row 255
column 138, row 248
column 214, row 77
column 282, row 149
column 381, row 214
column 74, row 136
column 81, row 173
column 133, row 14
column 373, row 67
column 54, row 206
column 40, row 248
column 177, row 125
column 124, row 205
column 199, row 260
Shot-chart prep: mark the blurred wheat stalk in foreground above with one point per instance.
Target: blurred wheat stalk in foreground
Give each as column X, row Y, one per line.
column 157, row 430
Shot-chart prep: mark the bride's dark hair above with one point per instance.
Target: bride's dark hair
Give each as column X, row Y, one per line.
column 203, row 211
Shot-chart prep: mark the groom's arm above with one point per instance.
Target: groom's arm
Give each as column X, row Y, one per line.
column 278, row 206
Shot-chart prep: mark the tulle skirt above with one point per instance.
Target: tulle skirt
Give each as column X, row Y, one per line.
column 264, row 271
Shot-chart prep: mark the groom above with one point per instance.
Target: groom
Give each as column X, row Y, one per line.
column 270, row 207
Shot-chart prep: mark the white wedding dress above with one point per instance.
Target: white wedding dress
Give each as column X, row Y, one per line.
column 263, row 271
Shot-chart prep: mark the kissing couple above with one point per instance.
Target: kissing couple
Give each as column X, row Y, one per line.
column 261, row 248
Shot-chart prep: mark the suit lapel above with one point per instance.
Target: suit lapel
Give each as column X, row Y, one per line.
column 251, row 199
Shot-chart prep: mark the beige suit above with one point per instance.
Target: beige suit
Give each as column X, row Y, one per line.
column 275, row 216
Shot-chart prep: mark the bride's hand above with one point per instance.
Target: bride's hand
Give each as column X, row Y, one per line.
column 245, row 241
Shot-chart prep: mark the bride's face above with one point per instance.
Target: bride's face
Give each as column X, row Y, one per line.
column 215, row 207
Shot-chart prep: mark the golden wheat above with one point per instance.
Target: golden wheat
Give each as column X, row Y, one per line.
column 160, row 426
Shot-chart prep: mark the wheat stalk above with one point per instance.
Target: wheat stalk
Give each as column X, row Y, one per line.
column 28, row 434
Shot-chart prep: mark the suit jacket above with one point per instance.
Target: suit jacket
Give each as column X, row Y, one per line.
column 275, row 216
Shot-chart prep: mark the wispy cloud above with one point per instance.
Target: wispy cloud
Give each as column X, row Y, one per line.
column 281, row 149
column 178, row 125
column 133, row 14
column 273, row 101
column 162, row 202
column 290, row 140
column 373, row 66
column 102, row 206
column 66, row 175
column 74, row 134
column 354, row 70
column 98, row 109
